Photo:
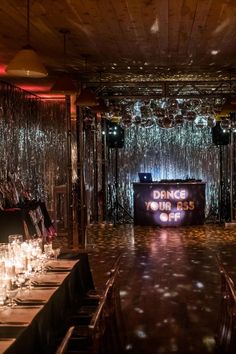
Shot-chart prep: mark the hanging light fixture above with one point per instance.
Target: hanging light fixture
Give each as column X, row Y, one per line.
column 101, row 106
column 86, row 97
column 26, row 62
column 229, row 106
column 64, row 84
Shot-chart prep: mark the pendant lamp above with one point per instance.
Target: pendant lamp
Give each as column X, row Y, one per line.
column 230, row 105
column 86, row 97
column 101, row 107
column 64, row 84
column 26, row 62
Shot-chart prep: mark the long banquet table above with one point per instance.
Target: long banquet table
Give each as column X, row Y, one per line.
column 31, row 327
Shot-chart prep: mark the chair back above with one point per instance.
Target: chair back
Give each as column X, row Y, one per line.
column 106, row 327
column 103, row 332
column 226, row 328
column 62, row 349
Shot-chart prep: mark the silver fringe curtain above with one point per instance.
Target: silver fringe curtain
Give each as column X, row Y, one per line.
column 33, row 141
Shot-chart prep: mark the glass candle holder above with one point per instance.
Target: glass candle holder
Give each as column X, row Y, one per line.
column 15, row 239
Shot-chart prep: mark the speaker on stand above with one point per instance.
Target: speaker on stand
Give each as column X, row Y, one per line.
column 115, row 135
column 219, row 137
column 115, row 139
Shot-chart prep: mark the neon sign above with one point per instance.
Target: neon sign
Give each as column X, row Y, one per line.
column 169, row 204
column 172, row 194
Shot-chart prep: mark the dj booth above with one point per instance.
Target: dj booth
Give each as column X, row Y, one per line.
column 169, row 203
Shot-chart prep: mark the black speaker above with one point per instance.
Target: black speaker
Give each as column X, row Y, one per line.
column 115, row 135
column 218, row 135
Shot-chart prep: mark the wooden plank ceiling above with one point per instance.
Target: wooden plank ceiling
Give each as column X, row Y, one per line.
column 125, row 41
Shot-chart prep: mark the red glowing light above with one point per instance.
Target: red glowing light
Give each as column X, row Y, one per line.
column 73, row 110
column 98, row 116
column 34, row 88
column 3, row 70
column 52, row 97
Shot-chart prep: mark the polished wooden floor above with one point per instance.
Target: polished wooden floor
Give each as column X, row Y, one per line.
column 170, row 284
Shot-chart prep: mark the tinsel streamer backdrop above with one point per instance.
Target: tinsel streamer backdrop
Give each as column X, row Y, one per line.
column 92, row 166
column 33, row 138
column 179, row 153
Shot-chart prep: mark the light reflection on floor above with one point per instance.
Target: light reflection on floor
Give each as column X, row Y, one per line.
column 170, row 283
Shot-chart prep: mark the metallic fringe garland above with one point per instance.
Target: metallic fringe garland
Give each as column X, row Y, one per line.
column 33, row 138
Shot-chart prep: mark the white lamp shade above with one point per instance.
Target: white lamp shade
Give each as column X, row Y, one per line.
column 26, row 63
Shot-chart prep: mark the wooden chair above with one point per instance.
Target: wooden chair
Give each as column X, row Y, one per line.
column 115, row 323
column 63, row 347
column 226, row 329
column 101, row 334
column 87, row 339
column 113, row 334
